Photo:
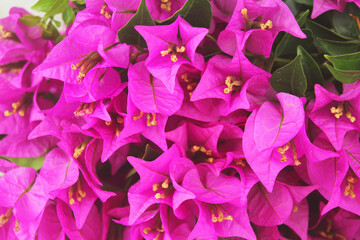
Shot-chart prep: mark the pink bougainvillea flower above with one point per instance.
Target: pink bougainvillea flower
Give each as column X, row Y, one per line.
column 223, row 10
column 268, row 137
column 170, row 47
column 208, row 145
column 161, row 10
column 234, row 81
column 254, row 26
column 150, row 125
column 337, row 224
column 88, row 69
column 155, row 185
column 321, row 6
column 337, row 176
column 23, row 201
column 336, row 114
column 90, row 230
column 149, row 94
column 222, row 213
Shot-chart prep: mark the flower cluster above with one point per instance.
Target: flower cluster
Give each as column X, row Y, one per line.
column 157, row 120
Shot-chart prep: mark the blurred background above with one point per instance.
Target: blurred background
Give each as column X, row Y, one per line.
column 5, row 6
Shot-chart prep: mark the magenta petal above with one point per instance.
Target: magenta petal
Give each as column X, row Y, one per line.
column 211, row 188
column 150, row 95
column 266, row 164
column 269, row 209
column 275, row 127
column 59, row 171
column 299, row 219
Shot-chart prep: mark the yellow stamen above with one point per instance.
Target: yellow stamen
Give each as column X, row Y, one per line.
column 293, row 149
column 173, row 57
column 231, row 82
column 147, row 230
column 82, row 146
column 156, row 186
column 104, row 12
column 4, row 218
column 174, row 50
column 86, row 64
column 85, row 108
column 338, row 111
column 17, row 226
column 349, row 189
column 160, row 196
column 295, row 208
column 350, row 117
column 213, row 217
column 195, row 148
column 71, row 193
column 220, row 214
column 165, row 184
column 210, row 160
column 166, row 52
column 148, row 118
column 108, row 123
column 267, row 25
column 282, row 151
column 180, row 49
column 136, row 117
column 165, row 5
column 240, row 162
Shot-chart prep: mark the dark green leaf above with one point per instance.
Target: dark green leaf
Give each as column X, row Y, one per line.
column 320, row 31
column 290, row 78
column 68, row 15
column 58, row 6
column 302, row 18
column 288, row 43
column 344, row 76
column 80, row 2
column 50, row 32
column 60, row 38
column 128, row 34
column 311, row 68
column 35, row 163
column 43, row 5
column 196, row 12
column 334, row 47
column 30, row 20
column 305, row 2
column 150, row 154
column 344, row 24
column 345, row 62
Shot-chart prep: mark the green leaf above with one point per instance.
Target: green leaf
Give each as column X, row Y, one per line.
column 305, row 2
column 196, row 12
column 58, row 6
column 128, row 34
column 302, row 18
column 337, row 47
column 43, row 5
column 311, row 68
column 344, row 76
column 345, row 62
column 68, row 15
column 320, row 31
column 30, row 20
column 288, row 43
column 35, row 163
column 50, row 32
column 344, row 24
column 290, row 78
